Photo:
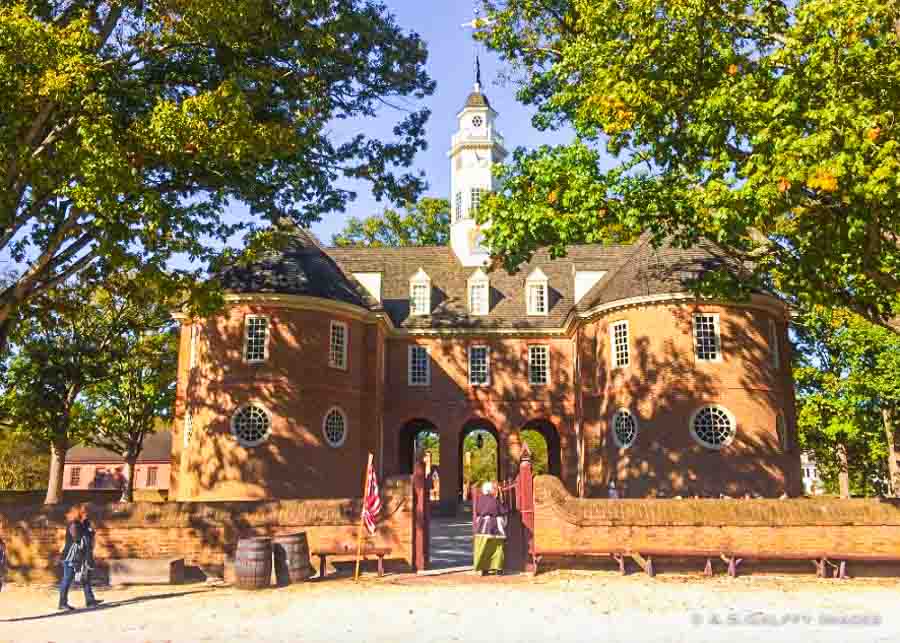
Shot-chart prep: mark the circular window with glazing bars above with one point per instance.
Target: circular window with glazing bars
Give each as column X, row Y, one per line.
column 477, row 121
column 251, row 425
column 334, row 428
column 713, row 427
column 625, row 428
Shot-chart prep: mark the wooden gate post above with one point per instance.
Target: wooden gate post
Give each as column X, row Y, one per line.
column 421, row 509
column 525, row 500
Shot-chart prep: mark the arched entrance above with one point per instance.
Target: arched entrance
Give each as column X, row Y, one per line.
column 416, row 435
column 543, row 442
column 479, row 454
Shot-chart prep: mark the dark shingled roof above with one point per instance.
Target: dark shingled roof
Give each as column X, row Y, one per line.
column 157, row 448
column 298, row 266
column 449, row 280
column 477, row 99
column 302, row 266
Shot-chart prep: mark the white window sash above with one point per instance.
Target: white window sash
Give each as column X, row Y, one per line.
column 545, row 351
column 265, row 356
column 487, row 366
column 479, row 306
column 530, row 290
column 774, row 345
column 612, row 341
column 426, row 299
column 717, row 337
column 409, row 366
column 341, row 362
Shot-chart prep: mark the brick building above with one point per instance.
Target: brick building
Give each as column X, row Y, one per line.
column 325, row 354
column 96, row 468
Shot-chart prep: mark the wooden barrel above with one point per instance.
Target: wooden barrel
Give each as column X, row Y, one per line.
column 253, row 563
column 291, row 554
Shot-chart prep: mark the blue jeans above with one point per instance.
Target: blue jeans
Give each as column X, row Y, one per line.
column 68, row 579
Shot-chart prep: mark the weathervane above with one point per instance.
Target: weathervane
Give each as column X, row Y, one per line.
column 476, row 24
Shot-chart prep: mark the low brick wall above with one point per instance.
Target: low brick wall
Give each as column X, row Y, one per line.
column 203, row 533
column 758, row 526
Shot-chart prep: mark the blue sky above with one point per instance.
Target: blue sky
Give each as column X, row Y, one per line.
column 450, row 64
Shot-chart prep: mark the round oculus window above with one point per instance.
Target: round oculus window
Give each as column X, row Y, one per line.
column 251, row 425
column 713, row 427
column 477, row 121
column 624, row 428
column 335, row 427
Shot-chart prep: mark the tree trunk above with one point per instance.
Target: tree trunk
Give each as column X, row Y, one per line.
column 57, row 465
column 887, row 416
column 7, row 321
column 843, row 471
column 128, row 486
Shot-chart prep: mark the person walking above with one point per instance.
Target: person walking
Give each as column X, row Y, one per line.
column 88, row 565
column 74, row 556
column 2, row 563
column 490, row 531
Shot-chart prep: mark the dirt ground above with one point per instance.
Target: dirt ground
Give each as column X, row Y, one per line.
column 556, row 606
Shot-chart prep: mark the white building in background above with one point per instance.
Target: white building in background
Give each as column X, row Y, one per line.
column 812, row 483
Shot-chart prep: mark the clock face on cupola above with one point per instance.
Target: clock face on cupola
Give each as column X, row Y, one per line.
column 475, row 147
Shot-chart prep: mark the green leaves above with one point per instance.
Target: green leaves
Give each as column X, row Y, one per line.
column 426, row 223
column 765, row 127
column 128, row 127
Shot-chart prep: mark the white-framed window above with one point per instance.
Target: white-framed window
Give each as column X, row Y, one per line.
column 707, row 345
column 420, row 294
column 538, row 365
column 419, row 366
column 152, row 476
column 188, row 427
column 774, row 347
column 479, row 366
column 475, row 196
column 458, row 207
column 334, row 427
column 479, row 293
column 713, row 426
column 256, row 338
column 536, row 289
column 784, row 440
column 618, row 335
column 251, row 425
column 624, row 428
column 337, row 346
column 195, row 336
column 75, row 476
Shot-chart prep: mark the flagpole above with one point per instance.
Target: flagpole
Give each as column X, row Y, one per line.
column 359, row 530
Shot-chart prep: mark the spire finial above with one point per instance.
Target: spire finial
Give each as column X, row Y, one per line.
column 476, row 24
column 477, row 73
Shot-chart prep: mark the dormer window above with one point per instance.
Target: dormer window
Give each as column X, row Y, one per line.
column 420, row 294
column 479, row 293
column 536, row 287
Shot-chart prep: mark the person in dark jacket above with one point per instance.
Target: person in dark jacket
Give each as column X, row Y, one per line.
column 490, row 531
column 74, row 557
column 2, row 563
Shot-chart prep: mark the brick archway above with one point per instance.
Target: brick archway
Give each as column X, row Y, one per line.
column 407, row 442
column 547, row 430
column 476, row 424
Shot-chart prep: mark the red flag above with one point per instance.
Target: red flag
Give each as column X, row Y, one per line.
column 372, row 502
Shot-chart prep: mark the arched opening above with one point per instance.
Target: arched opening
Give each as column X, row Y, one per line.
column 415, row 436
column 479, row 455
column 542, row 439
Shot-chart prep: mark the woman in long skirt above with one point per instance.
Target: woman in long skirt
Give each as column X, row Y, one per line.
column 490, row 531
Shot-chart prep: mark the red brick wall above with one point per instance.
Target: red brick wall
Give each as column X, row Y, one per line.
column 450, row 402
column 800, row 525
column 298, row 388
column 664, row 385
column 203, row 533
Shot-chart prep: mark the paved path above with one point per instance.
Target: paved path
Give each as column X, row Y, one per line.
column 451, row 542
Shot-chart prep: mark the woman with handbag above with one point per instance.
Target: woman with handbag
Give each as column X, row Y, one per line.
column 75, row 553
column 490, row 530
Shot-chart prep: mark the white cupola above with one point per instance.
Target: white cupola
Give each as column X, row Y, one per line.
column 476, row 147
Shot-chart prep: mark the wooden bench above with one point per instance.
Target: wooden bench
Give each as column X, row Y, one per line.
column 349, row 550
column 644, row 558
column 146, row 571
